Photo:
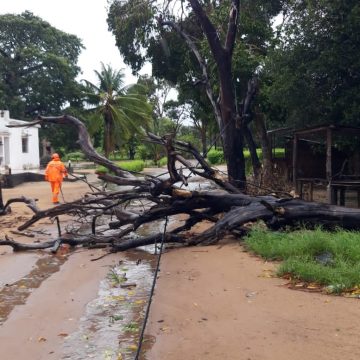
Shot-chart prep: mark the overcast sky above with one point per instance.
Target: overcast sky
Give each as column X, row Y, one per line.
column 84, row 18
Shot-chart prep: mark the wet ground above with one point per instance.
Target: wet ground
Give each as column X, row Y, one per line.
column 67, row 306
column 111, row 325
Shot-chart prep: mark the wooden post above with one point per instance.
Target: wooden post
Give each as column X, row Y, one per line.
column 1, row 196
column 294, row 163
column 330, row 195
column 311, row 190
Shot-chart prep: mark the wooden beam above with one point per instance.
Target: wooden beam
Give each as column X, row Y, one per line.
column 329, row 165
column 294, row 162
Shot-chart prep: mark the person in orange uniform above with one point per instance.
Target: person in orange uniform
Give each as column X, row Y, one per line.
column 54, row 173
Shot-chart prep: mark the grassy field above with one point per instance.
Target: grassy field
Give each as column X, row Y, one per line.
column 330, row 259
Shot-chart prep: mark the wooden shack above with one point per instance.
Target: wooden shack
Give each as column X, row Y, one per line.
column 327, row 156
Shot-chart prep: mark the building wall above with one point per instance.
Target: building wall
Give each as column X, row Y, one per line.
column 20, row 159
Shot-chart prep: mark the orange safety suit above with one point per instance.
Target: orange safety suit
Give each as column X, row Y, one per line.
column 54, row 173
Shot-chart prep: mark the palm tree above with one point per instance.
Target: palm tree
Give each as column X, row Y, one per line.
column 122, row 110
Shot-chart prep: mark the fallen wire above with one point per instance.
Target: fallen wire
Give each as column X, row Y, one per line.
column 141, row 338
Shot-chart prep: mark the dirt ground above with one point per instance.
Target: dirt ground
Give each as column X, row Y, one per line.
column 37, row 329
column 210, row 303
column 220, row 302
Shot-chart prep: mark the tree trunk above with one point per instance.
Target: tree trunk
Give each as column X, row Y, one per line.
column 265, row 146
column 203, row 140
column 234, row 155
column 107, row 136
column 253, row 154
column 232, row 136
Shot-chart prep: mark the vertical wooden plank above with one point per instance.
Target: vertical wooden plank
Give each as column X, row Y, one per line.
column 328, row 165
column 294, row 162
column 342, row 196
column 311, row 190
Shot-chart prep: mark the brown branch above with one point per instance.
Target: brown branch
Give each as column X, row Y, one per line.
column 202, row 64
column 84, row 141
column 232, row 26
column 209, row 30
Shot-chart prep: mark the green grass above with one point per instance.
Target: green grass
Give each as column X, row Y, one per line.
column 299, row 252
column 129, row 165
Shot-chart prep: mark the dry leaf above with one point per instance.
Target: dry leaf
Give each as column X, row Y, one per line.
column 63, row 334
column 41, row 339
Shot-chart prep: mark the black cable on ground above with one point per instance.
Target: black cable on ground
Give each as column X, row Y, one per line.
column 141, row 338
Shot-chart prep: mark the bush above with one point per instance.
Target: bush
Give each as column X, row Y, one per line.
column 132, row 165
column 142, row 152
column 149, row 163
column 215, row 157
column 74, row 156
column 163, row 161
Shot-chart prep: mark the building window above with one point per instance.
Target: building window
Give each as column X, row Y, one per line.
column 25, row 144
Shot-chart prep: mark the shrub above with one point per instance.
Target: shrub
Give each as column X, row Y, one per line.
column 215, row 156
column 163, row 161
column 142, row 152
column 132, row 165
column 74, row 156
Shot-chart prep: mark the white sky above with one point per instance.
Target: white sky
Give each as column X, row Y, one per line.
column 84, row 18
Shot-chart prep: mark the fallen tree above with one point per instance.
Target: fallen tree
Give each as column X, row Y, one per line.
column 142, row 199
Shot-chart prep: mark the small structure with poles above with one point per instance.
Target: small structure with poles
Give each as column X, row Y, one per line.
column 327, row 156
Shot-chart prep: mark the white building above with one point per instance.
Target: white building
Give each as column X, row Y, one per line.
column 19, row 147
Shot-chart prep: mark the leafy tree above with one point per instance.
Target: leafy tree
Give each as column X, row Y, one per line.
column 121, row 110
column 37, row 66
column 313, row 72
column 209, row 29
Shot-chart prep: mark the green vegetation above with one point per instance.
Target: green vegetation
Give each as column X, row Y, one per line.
column 74, row 156
column 131, row 327
column 216, row 156
column 330, row 259
column 129, row 165
column 115, row 278
column 132, row 165
column 120, row 111
column 163, row 161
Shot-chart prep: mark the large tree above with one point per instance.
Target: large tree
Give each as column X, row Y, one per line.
column 208, row 29
column 122, row 110
column 37, row 66
column 313, row 71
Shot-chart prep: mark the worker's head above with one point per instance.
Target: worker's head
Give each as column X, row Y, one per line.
column 55, row 156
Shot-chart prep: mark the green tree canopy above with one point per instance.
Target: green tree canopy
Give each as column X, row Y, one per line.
column 37, row 66
column 314, row 71
column 217, row 45
column 121, row 110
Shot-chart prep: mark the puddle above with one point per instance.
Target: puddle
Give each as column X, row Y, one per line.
column 16, row 293
column 112, row 323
